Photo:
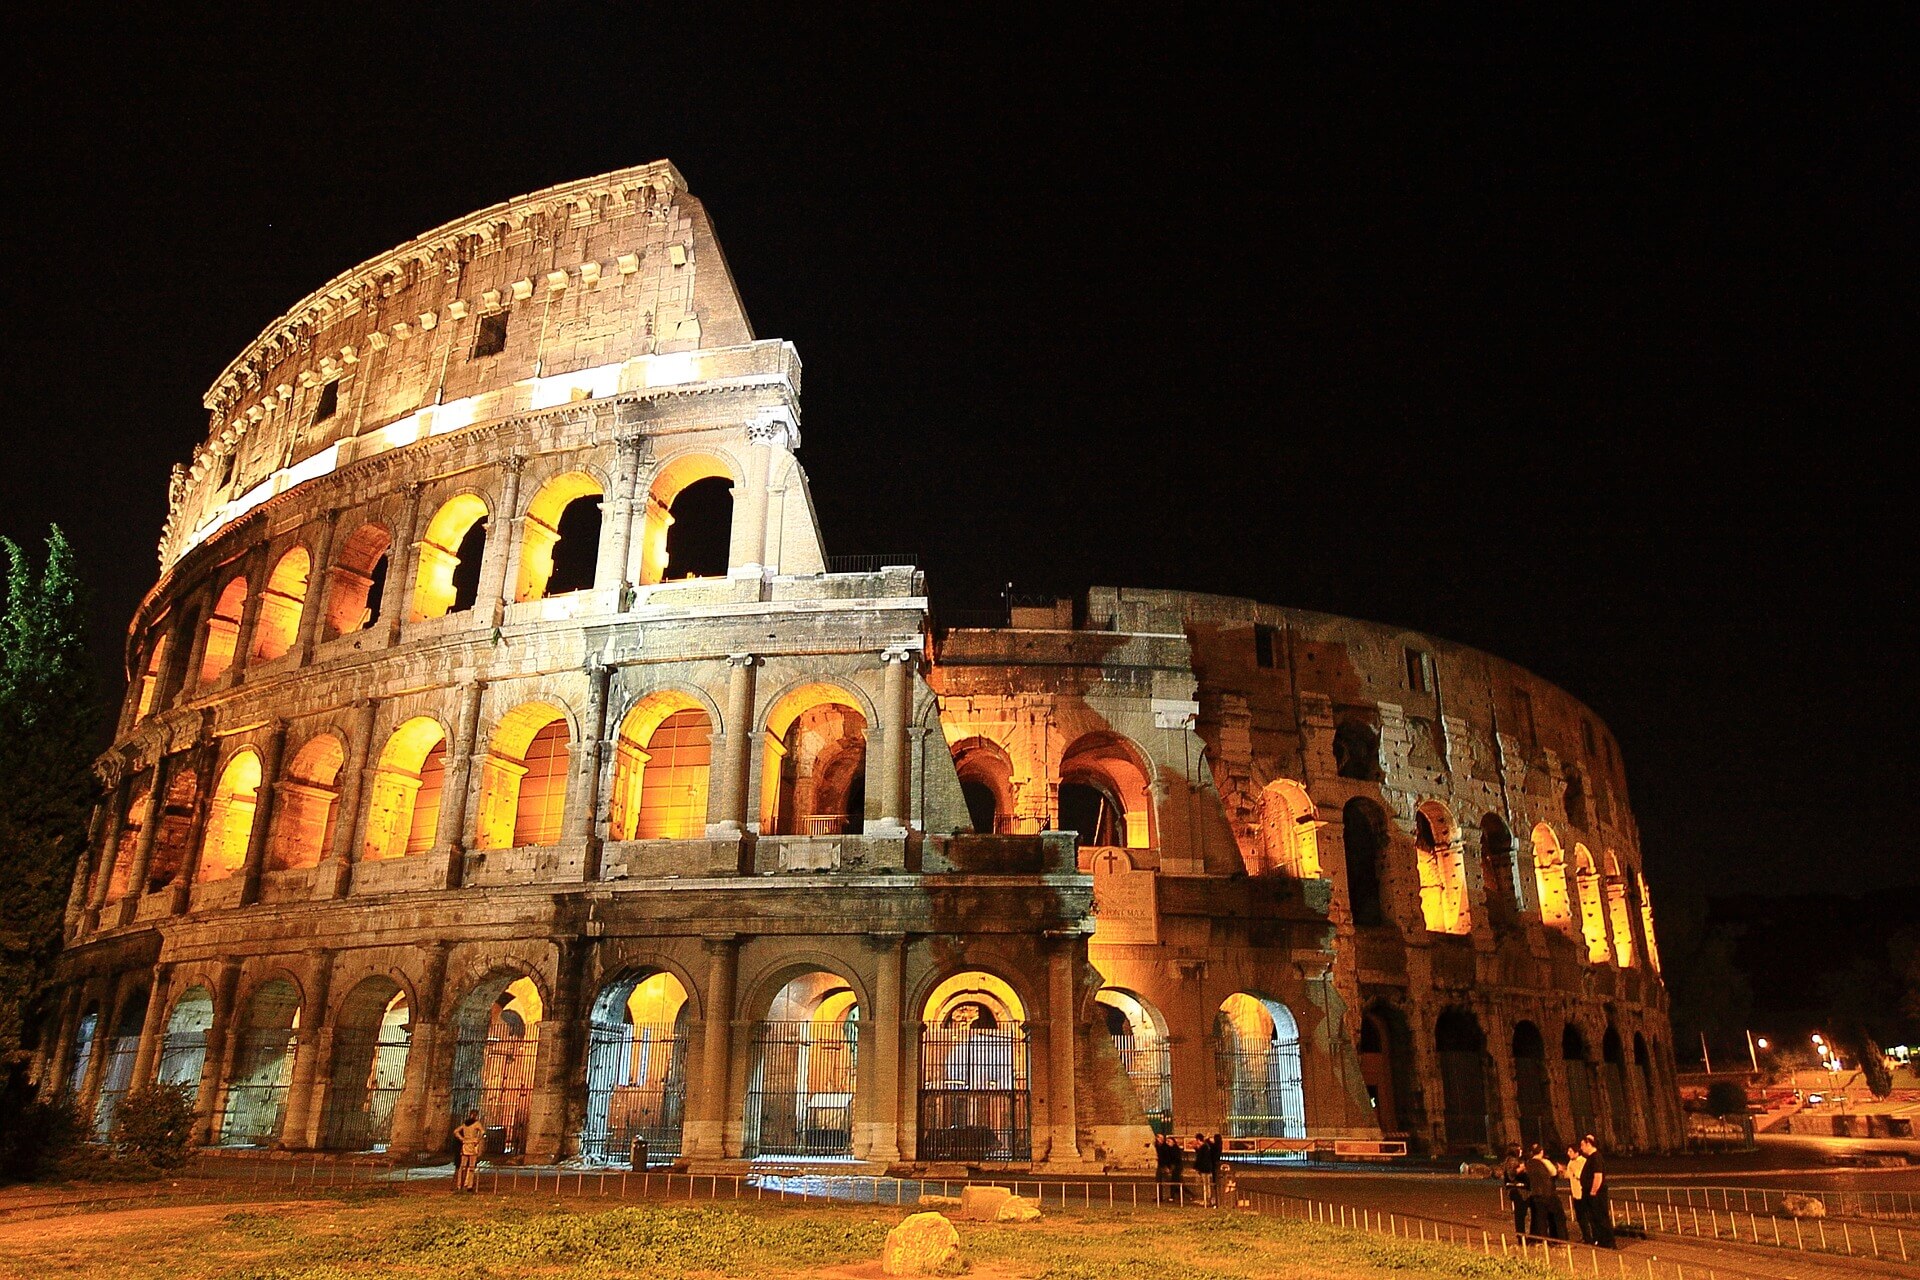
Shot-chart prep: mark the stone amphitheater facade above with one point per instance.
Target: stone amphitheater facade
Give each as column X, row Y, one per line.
column 452, row 774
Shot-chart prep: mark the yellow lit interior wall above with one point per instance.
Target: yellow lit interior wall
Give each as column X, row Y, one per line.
column 540, row 530
column 278, row 624
column 405, row 803
column 439, row 555
column 230, row 822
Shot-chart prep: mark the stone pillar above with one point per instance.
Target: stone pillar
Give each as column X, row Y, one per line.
column 503, row 543
column 154, row 1028
column 109, row 852
column 748, row 551
column 896, row 714
column 708, row 1108
column 735, row 756
column 80, row 889
column 149, row 829
column 551, row 1132
column 334, row 875
column 256, row 863
column 403, row 565
column 1063, row 964
column 256, row 574
column 889, row 1034
column 70, row 1006
column 313, row 611
column 581, row 821
column 205, row 757
column 449, row 835
column 307, row 1093
column 409, row 1135
column 218, row 1066
column 195, row 657
column 616, row 548
column 1503, row 1128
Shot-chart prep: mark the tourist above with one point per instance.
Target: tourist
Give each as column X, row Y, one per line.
column 1216, row 1156
column 1513, row 1176
column 1593, row 1172
column 1176, row 1159
column 1577, row 1193
column 1162, row 1158
column 1544, row 1218
column 1206, row 1162
column 472, row 1137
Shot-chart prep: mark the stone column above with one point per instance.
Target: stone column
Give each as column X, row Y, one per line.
column 149, row 829
column 409, row 1135
column 153, row 1028
column 550, row 1133
column 1063, row 963
column 748, row 549
column 313, row 611
column 449, row 835
column 80, row 889
column 503, row 543
column 205, row 757
column 334, row 875
column 707, row 1110
column 896, row 713
column 581, row 821
column 1503, row 1126
column 56, row 1075
column 195, row 656
column 396, row 598
column 256, row 863
column 218, row 1064
column 256, row 575
column 888, row 1037
column 109, row 852
column 306, row 1094
column 729, row 809
column 618, row 544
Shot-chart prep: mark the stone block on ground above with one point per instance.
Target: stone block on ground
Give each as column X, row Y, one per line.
column 1799, row 1206
column 925, row 1244
column 982, row 1204
column 1017, row 1209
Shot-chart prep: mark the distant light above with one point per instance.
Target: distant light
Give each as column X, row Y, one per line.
column 1762, row 1042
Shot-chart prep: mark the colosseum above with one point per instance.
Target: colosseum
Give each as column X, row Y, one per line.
column 500, row 735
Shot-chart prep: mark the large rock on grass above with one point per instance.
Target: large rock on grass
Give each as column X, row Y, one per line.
column 982, row 1204
column 924, row 1245
column 1796, row 1205
column 1017, row 1209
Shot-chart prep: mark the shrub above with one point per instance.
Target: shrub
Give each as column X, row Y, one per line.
column 155, row 1125
column 1725, row 1098
column 34, row 1136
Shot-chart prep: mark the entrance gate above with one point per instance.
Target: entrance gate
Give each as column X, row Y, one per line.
column 1257, row 1065
column 800, row 1097
column 257, row 1098
column 974, row 1093
column 636, row 1088
column 494, row 1076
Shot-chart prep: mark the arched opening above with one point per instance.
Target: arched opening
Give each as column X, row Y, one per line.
column 813, row 770
column 1593, row 919
column 1613, row 1078
column 1104, row 794
column 83, row 1037
column 150, row 675
column 1497, row 879
column 1257, row 1063
column 497, row 1037
column 133, row 817
column 1139, row 1036
column 662, row 765
column 1619, row 916
column 1364, row 835
column 986, row 783
column 449, row 554
column 1289, row 832
column 1576, row 802
column 223, row 631
column 700, row 549
column 523, row 781
column 371, row 1036
column 560, row 537
column 803, row 1067
column 1386, row 1066
column 1443, row 872
column 1550, row 880
column 1530, row 1080
column 1462, row 1051
column 358, row 580
column 169, row 853
column 262, row 1066
column 1643, row 1063
column 1579, row 1070
column 278, row 624
column 636, row 1068
column 403, row 813
column 230, row 822
column 974, row 1079
column 116, row 1072
column 1356, row 750
column 1646, row 920
column 183, row 1050
column 307, row 805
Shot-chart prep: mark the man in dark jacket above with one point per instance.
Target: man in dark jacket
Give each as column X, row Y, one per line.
column 1206, row 1159
column 1513, row 1177
column 1593, row 1186
column 1543, row 1198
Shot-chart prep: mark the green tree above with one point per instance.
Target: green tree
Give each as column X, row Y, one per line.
column 47, row 785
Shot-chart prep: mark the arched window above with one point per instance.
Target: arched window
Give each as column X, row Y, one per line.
column 1646, row 920
column 523, row 786
column 661, row 769
column 450, row 555
column 1356, row 751
column 1443, row 873
column 560, row 538
column 183, row 1051
column 169, row 854
column 359, row 580
column 1104, row 794
column 372, row 1034
column 974, row 1071
column 307, row 805
column 1619, row 916
column 702, row 548
column 1580, row 1081
column 1530, row 1079
column 257, row 1086
column 1257, row 1061
column 1461, row 1048
column 1576, row 801
column 1289, row 843
column 1550, row 879
column 636, row 1068
column 498, row 1029
column 1498, row 882
column 403, row 814
column 1364, row 831
column 278, row 625
column 1593, row 917
column 813, row 771
column 150, row 674
column 1139, row 1036
column 230, row 823
column 223, row 630
column 139, row 797
column 986, row 783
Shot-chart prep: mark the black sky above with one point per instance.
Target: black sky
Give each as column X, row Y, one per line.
column 1580, row 344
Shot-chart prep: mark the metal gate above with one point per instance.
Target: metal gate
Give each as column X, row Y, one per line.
column 1149, row 1065
column 1262, row 1085
column 1536, row 1105
column 114, row 1079
column 369, row 1068
column 636, row 1088
column 800, row 1096
column 1463, row 1080
column 257, row 1096
column 974, row 1094
column 183, row 1057
column 494, row 1075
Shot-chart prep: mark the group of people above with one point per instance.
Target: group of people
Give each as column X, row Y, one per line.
column 1170, row 1158
column 1533, row 1192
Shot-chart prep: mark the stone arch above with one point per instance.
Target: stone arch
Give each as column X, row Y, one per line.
column 1106, row 792
column 169, row 855
column 223, row 852
column 1577, row 1061
column 975, row 1069
column 1646, row 921
column 1257, row 1063
column 803, row 1066
column 1530, row 1082
column 276, row 627
column 497, row 1024
column 372, row 1031
column 1139, row 1035
column 267, row 1031
column 150, row 674
column 1619, row 915
column 1613, row 1081
column 1550, row 879
column 673, row 476
column 1499, row 878
column 523, row 779
column 813, row 749
column 223, row 630
column 636, row 1064
column 1593, row 917
column 307, row 804
column 121, row 1050
column 662, row 767
column 1356, row 750
column 1365, row 839
column 357, row 579
column 560, row 536
column 403, row 812
column 1444, row 902
column 1461, row 1047
column 132, row 817
column 986, row 783
column 449, row 555
column 183, row 1043
column 1289, row 832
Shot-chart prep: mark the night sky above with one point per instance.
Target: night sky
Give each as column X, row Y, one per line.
column 1577, row 345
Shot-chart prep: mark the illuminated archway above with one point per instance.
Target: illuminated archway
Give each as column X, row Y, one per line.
column 1646, row 920
column 256, row 1104
column 1257, row 1060
column 150, row 675
column 223, row 630
column 133, row 817
column 1139, row 1036
column 372, row 1034
column 1386, row 1065
column 183, row 1049
column 307, row 805
column 230, row 822
column 1498, row 882
column 497, row 1037
column 1104, row 794
column 560, row 538
column 986, row 783
column 169, row 854
column 804, row 1064
column 403, row 813
column 662, row 760
column 1619, row 915
column 1289, row 832
column 449, row 554
column 116, row 1074
column 676, row 475
column 358, row 580
column 1550, row 879
column 523, row 781
column 1593, row 917
column 1443, row 872
column 636, row 1068
column 813, row 763
column 974, row 1071
column 1613, row 1079
column 277, row 625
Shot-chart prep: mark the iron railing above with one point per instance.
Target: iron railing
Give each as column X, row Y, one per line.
column 975, row 1102
column 636, row 1089
column 800, row 1095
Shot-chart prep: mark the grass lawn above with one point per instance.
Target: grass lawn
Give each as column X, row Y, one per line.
column 407, row 1236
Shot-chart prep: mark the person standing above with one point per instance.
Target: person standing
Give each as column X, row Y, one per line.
column 1543, row 1199
column 1599, row 1210
column 1513, row 1176
column 472, row 1137
column 1205, row 1161
column 1577, row 1193
column 1176, row 1160
column 1217, row 1156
